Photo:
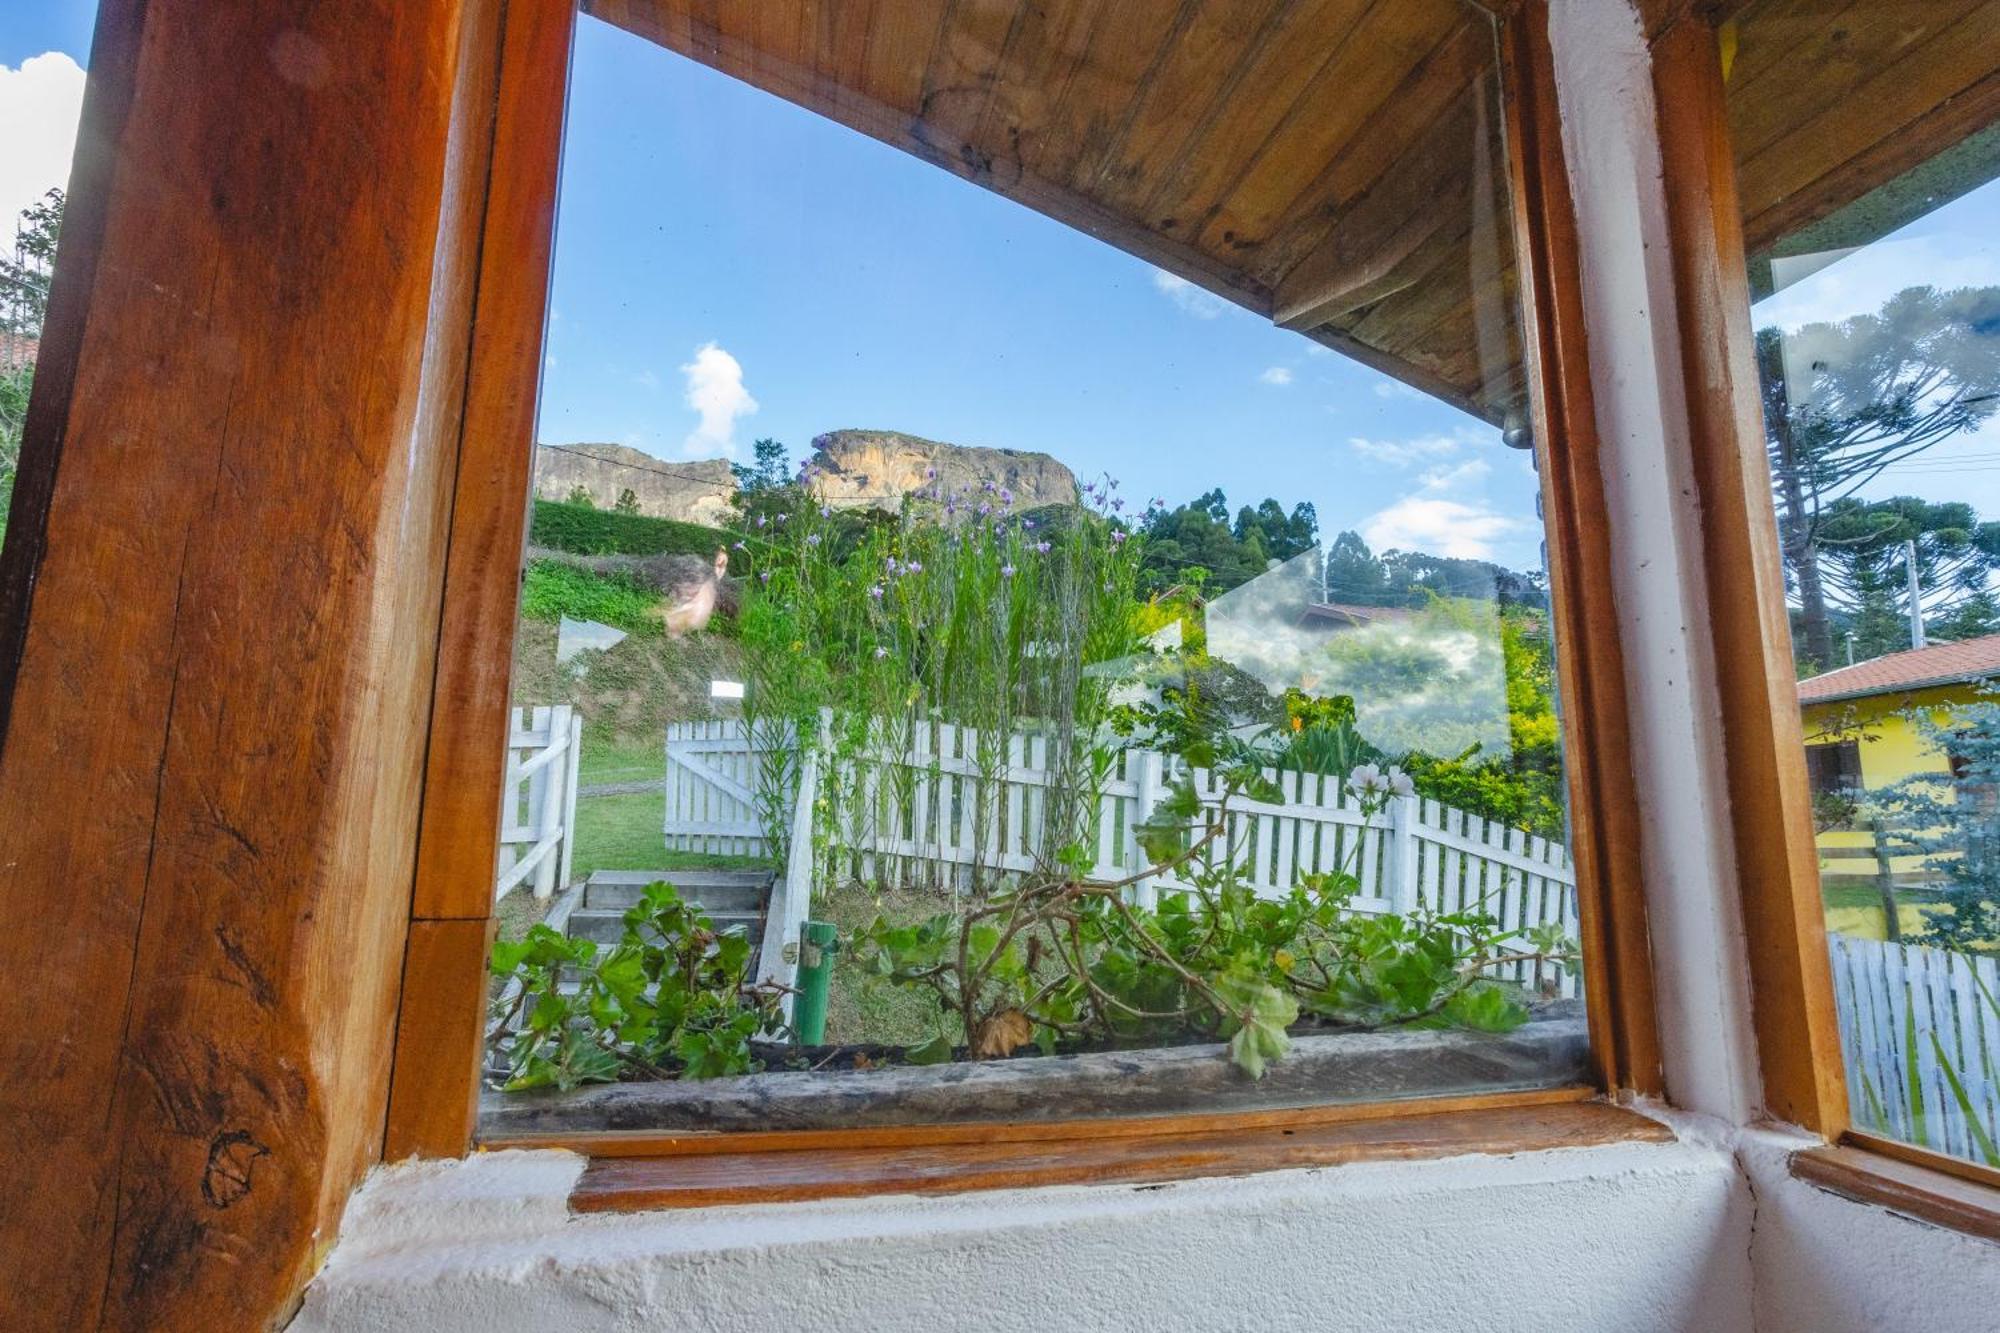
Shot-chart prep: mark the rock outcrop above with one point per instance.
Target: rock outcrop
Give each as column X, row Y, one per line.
column 861, row 469
column 696, row 491
column 852, row 469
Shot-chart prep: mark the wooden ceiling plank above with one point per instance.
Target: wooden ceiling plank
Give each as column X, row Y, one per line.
column 901, row 40
column 1429, row 92
column 958, row 85
column 1204, row 69
column 1268, row 98
column 1125, row 56
column 1831, row 65
column 1389, row 44
column 1899, row 95
column 1910, row 146
column 840, row 48
column 1433, row 238
column 1048, row 44
column 1768, row 32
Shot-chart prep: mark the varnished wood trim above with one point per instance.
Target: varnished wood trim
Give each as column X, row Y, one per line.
column 1976, row 1172
column 457, row 849
column 1798, row 1039
column 1927, row 1193
column 440, row 1035
column 433, row 1098
column 630, row 1184
column 1109, row 1127
column 1590, row 661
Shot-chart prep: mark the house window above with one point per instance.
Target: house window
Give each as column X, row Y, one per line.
column 958, row 630
column 1876, row 276
column 1834, row 768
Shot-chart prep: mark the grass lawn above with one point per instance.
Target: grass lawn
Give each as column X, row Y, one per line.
column 1856, row 909
column 626, row 833
column 609, row 758
column 860, row 1008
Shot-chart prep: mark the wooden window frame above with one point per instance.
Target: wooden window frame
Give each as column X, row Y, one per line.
column 440, row 1027
column 1795, row 1022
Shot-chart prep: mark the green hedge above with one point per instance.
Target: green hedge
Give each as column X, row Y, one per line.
column 552, row 590
column 587, row 531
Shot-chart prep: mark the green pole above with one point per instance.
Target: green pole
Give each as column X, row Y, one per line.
column 816, row 952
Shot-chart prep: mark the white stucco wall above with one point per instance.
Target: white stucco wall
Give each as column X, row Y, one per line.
column 1825, row 1264
column 1627, row 1237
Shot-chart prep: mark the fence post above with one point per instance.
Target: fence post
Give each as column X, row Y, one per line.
column 575, row 759
column 1401, row 870
column 1152, row 774
column 1885, row 884
column 547, row 800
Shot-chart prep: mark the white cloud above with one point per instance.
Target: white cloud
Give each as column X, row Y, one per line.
column 646, row 379
column 1195, row 301
column 1441, row 527
column 1406, row 452
column 39, row 106
column 1277, row 375
column 1860, row 281
column 1388, row 388
column 715, row 390
column 1430, row 520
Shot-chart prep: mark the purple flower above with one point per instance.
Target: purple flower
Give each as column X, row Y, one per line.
column 881, row 653
column 1006, row 496
column 825, row 511
column 1006, row 571
column 1028, row 523
column 1043, row 547
column 813, row 540
column 891, row 565
column 876, row 592
column 930, row 474
column 988, row 487
column 914, row 567
column 984, row 509
column 765, row 577
column 1118, row 538
column 1117, row 504
column 741, row 547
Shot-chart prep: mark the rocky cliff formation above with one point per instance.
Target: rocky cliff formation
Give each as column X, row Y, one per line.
column 852, row 469
column 857, row 469
column 693, row 492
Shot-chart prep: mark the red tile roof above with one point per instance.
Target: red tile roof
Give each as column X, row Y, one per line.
column 1919, row 668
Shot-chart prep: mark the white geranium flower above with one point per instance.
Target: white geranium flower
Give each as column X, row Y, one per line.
column 1365, row 781
column 1400, row 784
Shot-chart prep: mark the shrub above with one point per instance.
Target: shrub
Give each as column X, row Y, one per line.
column 588, row 531
column 552, row 590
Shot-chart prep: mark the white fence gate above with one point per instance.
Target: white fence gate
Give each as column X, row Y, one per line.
column 538, row 799
column 910, row 824
column 1888, row 994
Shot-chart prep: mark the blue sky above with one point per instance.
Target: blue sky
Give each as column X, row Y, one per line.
column 854, row 286
column 718, row 247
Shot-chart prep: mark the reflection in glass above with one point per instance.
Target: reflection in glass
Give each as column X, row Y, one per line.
column 1143, row 647
column 1878, row 343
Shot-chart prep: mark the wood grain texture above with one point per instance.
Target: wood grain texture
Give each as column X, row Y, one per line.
column 1770, row 808
column 1939, row 1197
column 1590, row 658
column 1028, row 1131
column 440, row 1038
column 225, row 664
column 440, row 1023
column 629, row 1184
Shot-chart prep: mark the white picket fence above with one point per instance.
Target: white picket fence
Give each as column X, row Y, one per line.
column 538, row 800
column 1883, row 992
column 940, row 818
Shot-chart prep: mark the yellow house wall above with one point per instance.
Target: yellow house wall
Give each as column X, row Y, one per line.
column 1890, row 749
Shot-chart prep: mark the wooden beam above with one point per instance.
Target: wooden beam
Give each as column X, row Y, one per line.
column 241, row 449
column 1798, row 1038
column 1591, row 667
column 630, row 1184
column 441, row 1020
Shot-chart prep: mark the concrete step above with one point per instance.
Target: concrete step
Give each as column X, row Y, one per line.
column 607, row 925
column 718, row 891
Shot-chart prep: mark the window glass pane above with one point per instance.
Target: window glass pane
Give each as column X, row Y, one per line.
column 42, row 58
column 1872, row 217
column 1035, row 534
